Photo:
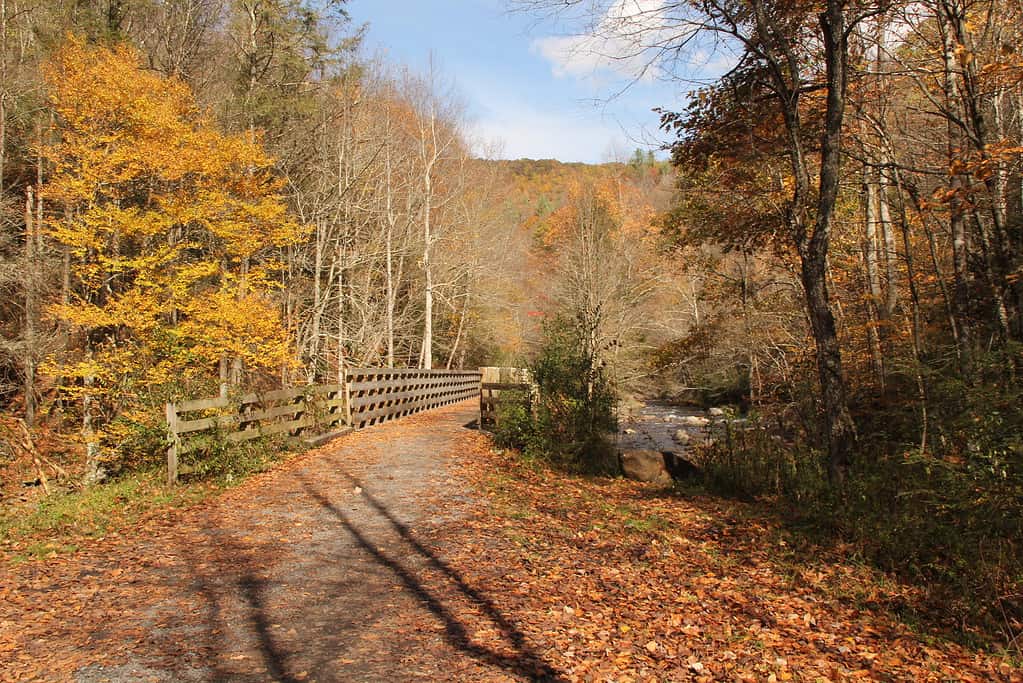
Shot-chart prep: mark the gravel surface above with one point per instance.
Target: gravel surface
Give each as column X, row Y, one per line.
column 330, row 568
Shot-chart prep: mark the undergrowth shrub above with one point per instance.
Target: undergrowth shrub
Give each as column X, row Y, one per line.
column 948, row 517
column 514, row 425
column 136, row 441
column 751, row 462
column 572, row 416
column 224, row 460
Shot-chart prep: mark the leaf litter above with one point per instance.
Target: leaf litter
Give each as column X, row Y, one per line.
column 470, row 566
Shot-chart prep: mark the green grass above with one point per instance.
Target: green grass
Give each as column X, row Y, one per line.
column 60, row 522
column 631, row 519
column 647, row 524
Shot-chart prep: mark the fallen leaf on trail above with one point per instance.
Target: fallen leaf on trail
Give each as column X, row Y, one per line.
column 548, row 571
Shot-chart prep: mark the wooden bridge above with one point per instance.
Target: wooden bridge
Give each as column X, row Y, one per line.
column 368, row 396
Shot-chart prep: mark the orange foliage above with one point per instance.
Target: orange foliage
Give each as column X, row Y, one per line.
column 169, row 225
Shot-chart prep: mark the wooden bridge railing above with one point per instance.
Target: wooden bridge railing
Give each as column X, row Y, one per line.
column 369, row 396
column 378, row 395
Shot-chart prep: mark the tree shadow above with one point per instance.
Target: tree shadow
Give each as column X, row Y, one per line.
column 236, row 594
column 218, row 589
column 274, row 657
column 522, row 661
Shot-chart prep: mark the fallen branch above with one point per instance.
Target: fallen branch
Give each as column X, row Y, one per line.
column 26, row 444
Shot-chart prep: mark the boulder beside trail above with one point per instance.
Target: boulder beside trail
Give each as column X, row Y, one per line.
column 645, row 465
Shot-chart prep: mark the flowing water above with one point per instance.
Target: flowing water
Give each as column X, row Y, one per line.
column 655, row 426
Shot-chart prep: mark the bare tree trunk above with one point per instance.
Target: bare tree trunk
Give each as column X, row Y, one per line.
column 389, row 248
column 870, row 192
column 950, row 312
column 957, row 221
column 993, row 238
column 63, row 330
column 785, row 72
column 31, row 305
column 991, row 275
column 237, row 364
column 390, row 296
column 287, row 285
column 914, row 297
column 891, row 300
column 458, row 333
column 1018, row 246
column 340, row 313
column 317, row 312
column 39, row 191
column 3, row 96
column 427, row 352
column 746, row 296
column 93, row 472
column 999, row 181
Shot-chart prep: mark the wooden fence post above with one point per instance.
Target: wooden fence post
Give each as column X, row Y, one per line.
column 348, row 399
column 173, row 446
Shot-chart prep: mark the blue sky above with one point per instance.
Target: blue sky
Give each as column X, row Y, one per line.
column 521, row 89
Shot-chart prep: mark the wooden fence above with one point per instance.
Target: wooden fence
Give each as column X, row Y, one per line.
column 368, row 397
column 377, row 395
column 198, row 423
column 493, row 382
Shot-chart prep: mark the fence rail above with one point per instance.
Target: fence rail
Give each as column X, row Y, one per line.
column 368, row 396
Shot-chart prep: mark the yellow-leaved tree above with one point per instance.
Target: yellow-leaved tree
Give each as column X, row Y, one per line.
column 171, row 228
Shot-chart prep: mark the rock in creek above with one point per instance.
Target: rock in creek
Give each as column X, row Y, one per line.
column 695, row 421
column 645, row 465
column 658, row 467
column 683, row 437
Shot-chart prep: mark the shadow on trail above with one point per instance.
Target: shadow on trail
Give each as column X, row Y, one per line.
column 274, row 657
column 522, row 661
column 220, row 588
column 267, row 612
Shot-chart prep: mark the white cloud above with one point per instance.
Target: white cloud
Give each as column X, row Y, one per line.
column 622, row 41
